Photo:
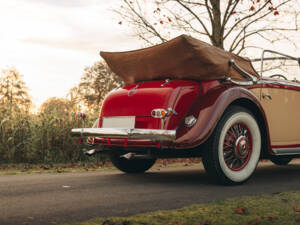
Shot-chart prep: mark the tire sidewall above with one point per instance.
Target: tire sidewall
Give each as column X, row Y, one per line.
column 131, row 165
column 239, row 116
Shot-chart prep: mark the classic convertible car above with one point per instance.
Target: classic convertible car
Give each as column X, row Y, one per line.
column 186, row 98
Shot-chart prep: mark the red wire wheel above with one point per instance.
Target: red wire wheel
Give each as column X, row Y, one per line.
column 233, row 150
column 237, row 147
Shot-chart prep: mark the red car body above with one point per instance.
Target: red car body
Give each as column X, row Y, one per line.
column 206, row 100
column 230, row 123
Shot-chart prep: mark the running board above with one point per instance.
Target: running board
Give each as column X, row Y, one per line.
column 286, row 151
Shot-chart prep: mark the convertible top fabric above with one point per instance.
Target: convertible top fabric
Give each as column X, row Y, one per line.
column 183, row 57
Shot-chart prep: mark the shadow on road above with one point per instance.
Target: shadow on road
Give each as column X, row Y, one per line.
column 269, row 173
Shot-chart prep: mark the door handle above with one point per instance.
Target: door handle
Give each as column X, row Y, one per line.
column 265, row 96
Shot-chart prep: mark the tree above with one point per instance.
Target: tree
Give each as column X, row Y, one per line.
column 60, row 107
column 96, row 82
column 228, row 24
column 14, row 95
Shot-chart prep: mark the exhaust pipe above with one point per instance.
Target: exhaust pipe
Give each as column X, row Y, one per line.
column 90, row 152
column 133, row 155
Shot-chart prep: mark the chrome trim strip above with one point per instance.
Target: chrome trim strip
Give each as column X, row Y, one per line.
column 286, row 151
column 152, row 134
column 279, row 83
column 242, row 83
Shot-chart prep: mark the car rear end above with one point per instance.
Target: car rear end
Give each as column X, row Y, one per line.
column 145, row 114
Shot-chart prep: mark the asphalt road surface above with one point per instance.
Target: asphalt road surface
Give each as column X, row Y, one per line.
column 55, row 198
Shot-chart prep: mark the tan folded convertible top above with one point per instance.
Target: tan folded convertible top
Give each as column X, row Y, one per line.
column 183, row 57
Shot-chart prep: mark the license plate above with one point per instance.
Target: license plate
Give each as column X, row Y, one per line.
column 118, row 122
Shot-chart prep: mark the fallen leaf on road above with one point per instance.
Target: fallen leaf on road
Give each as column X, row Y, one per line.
column 271, row 217
column 297, row 208
column 257, row 222
column 240, row 210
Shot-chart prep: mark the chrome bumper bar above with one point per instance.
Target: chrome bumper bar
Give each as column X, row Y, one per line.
column 152, row 134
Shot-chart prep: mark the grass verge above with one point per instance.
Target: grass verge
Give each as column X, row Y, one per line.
column 13, row 169
column 278, row 208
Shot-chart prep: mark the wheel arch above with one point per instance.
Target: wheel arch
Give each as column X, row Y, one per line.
column 259, row 115
column 209, row 109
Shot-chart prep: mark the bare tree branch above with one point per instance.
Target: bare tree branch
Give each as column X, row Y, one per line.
column 229, row 24
column 195, row 15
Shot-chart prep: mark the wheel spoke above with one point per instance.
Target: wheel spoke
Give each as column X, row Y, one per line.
column 237, row 146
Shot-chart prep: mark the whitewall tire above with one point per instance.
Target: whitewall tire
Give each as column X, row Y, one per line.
column 233, row 151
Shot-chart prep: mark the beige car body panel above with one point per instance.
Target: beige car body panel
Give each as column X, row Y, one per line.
column 282, row 108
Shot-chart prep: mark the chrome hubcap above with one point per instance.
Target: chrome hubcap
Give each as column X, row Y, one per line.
column 237, row 147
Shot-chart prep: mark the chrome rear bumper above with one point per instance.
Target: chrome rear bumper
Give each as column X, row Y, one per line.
column 152, row 134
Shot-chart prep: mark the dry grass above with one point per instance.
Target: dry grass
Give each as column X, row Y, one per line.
column 278, row 208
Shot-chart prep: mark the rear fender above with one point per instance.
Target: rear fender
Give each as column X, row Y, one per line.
column 208, row 109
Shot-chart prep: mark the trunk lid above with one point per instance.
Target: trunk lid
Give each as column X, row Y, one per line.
column 140, row 99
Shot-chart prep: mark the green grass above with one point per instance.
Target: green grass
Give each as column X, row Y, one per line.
column 21, row 168
column 13, row 169
column 278, row 208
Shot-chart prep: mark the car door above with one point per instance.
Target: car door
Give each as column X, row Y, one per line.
column 281, row 103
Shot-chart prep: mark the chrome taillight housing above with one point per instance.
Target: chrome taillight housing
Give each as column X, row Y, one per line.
column 159, row 113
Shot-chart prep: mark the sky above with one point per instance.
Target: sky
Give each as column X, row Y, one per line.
column 51, row 41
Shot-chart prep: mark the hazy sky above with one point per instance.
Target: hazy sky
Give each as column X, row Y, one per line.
column 51, row 41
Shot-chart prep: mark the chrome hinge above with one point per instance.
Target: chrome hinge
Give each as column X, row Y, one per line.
column 166, row 81
column 132, row 90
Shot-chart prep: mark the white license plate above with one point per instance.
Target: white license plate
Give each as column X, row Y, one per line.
column 118, row 122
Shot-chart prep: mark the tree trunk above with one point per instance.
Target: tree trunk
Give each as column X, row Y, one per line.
column 217, row 31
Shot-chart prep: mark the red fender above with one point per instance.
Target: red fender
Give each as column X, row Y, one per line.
column 209, row 108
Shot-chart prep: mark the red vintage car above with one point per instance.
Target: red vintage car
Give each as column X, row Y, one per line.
column 186, row 98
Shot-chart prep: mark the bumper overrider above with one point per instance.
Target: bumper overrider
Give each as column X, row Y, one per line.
column 151, row 134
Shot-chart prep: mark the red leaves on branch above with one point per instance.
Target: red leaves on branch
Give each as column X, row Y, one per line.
column 271, row 8
column 157, row 10
column 120, row 23
column 169, row 19
column 161, row 22
column 233, row 12
column 252, row 8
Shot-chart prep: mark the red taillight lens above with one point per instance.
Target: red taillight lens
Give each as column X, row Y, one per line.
column 159, row 113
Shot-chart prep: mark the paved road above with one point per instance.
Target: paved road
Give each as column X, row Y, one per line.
column 50, row 198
